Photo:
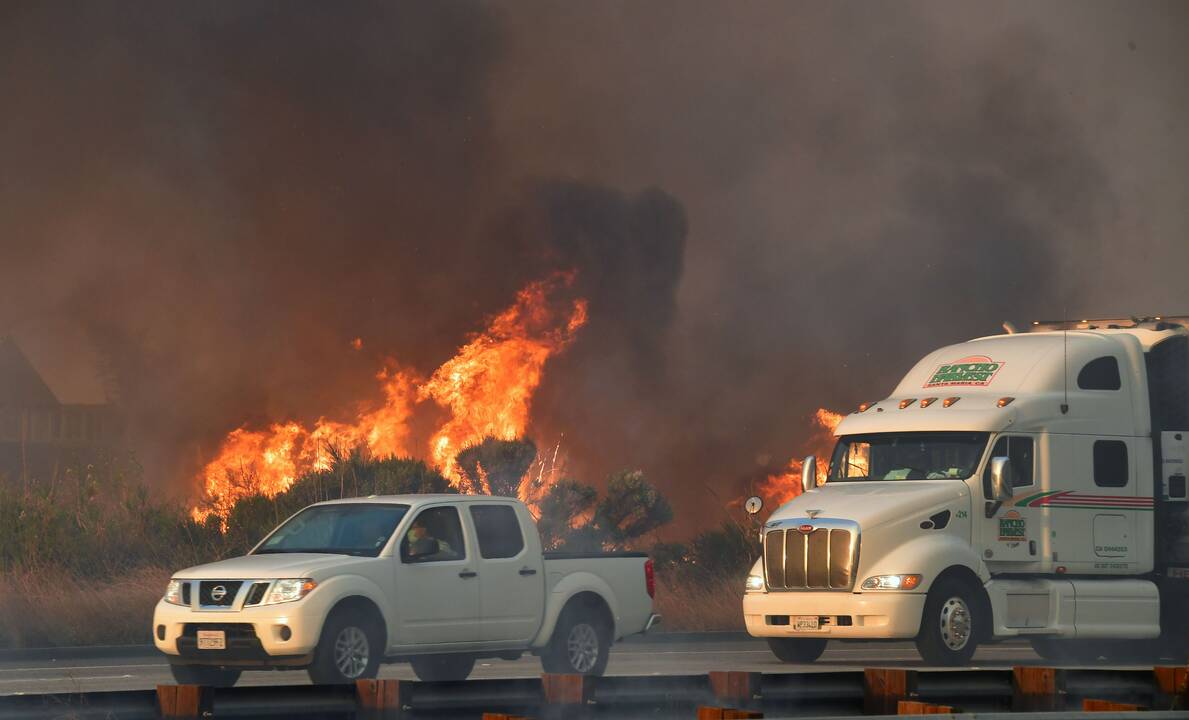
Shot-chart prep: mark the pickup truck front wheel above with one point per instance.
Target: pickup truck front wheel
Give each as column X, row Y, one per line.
column 581, row 644
column 350, row 649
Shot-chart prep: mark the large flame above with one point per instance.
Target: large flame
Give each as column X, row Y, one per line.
column 487, row 387
column 784, row 486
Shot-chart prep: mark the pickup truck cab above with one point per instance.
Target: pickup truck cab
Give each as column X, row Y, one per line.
column 436, row 580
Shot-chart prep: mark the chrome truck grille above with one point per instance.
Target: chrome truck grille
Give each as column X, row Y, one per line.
column 815, row 555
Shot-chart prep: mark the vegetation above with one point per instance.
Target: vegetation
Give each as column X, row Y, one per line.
column 502, row 463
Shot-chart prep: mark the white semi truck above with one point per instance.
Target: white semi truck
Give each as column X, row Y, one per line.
column 1028, row 485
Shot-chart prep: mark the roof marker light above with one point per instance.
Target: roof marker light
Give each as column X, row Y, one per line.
column 1004, row 401
column 949, row 401
column 864, row 407
column 907, row 402
column 927, row 402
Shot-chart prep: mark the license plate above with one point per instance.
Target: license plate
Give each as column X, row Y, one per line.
column 805, row 622
column 212, row 640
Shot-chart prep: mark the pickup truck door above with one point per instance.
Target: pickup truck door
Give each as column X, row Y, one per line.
column 513, row 572
column 437, row 580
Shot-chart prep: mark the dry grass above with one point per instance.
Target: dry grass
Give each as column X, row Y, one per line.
column 54, row 608
column 692, row 605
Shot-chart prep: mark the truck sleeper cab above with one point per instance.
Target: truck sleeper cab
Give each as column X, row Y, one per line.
column 995, row 495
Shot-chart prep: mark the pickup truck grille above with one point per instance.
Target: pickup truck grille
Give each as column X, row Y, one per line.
column 218, row 593
column 811, row 556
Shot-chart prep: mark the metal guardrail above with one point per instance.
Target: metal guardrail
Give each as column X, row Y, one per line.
column 789, row 695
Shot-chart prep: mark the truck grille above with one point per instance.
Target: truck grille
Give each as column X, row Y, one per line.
column 821, row 558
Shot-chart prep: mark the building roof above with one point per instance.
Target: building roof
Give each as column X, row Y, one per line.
column 20, row 383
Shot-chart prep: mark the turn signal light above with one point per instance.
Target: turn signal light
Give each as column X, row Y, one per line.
column 906, row 403
column 949, row 401
column 1004, row 401
column 927, row 402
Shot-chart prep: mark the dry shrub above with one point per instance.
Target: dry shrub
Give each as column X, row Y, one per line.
column 55, row 607
column 697, row 603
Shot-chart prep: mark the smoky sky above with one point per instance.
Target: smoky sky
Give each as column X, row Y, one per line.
column 771, row 206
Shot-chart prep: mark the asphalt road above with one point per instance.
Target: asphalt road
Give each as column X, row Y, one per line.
column 651, row 655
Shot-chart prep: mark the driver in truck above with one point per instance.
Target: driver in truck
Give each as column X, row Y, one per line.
column 421, row 543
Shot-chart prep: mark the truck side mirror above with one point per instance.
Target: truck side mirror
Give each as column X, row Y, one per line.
column 1001, row 479
column 809, row 473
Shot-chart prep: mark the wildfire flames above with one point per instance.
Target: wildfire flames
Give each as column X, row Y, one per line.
column 487, row 387
column 779, row 489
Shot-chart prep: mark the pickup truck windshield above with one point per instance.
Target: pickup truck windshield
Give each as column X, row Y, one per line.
column 906, row 456
column 347, row 529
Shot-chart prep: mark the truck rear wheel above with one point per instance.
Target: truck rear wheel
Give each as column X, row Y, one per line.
column 950, row 625
column 204, row 675
column 797, row 650
column 433, row 668
column 581, row 644
column 350, row 649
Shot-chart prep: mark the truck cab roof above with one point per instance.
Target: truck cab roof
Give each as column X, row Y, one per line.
column 415, row 499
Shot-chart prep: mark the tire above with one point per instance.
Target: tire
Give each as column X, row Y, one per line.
column 797, row 650
column 205, row 675
column 951, row 624
column 435, row 668
column 350, row 649
column 580, row 645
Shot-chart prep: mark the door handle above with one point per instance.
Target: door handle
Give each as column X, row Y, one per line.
column 468, row 574
column 527, row 571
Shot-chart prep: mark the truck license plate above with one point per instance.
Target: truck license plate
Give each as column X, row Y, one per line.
column 213, row 640
column 805, row 622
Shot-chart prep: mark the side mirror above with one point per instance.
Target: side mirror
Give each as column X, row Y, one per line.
column 809, row 473
column 1001, row 479
column 754, row 504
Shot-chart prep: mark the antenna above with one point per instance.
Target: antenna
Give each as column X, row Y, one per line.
column 1065, row 349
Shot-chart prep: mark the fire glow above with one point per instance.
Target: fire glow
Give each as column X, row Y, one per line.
column 487, row 389
column 780, row 488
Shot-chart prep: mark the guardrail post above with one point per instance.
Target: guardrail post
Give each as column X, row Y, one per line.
column 707, row 712
column 915, row 707
column 566, row 696
column 736, row 688
column 884, row 688
column 185, row 702
column 1034, row 689
column 1173, row 687
column 1089, row 705
column 377, row 699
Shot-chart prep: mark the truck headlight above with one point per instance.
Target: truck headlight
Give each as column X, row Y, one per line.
column 892, row 582
column 289, row 590
column 755, row 583
column 173, row 593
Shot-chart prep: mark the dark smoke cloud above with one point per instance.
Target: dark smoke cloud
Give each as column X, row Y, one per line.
column 214, row 199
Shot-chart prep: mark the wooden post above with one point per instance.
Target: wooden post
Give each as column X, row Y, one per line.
column 914, row 707
column 707, row 712
column 184, row 702
column 1089, row 705
column 736, row 688
column 1034, row 689
column 884, row 688
column 566, row 696
column 377, row 699
column 1173, row 686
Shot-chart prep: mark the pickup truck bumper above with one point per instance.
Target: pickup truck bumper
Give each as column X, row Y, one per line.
column 254, row 636
column 881, row 615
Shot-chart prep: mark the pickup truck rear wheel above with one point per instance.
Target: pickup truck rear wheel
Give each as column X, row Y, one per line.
column 581, row 644
column 797, row 650
column 442, row 667
column 205, row 675
column 950, row 625
column 349, row 649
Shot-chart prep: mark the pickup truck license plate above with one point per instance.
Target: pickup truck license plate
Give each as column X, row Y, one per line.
column 805, row 622
column 217, row 639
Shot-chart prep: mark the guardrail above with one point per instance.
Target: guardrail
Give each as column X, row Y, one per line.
column 875, row 691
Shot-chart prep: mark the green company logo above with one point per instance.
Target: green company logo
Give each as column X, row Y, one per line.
column 977, row 370
column 1013, row 528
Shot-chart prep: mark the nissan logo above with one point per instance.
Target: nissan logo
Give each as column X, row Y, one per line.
column 218, row 592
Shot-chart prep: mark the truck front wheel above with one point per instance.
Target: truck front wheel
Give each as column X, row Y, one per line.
column 797, row 650
column 950, row 624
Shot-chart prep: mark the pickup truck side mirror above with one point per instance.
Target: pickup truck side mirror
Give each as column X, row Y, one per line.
column 1001, row 479
column 809, row 473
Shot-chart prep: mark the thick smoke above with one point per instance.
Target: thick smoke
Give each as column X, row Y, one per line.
column 209, row 202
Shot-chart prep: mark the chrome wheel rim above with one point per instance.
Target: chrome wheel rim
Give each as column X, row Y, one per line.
column 955, row 623
column 351, row 652
column 583, row 647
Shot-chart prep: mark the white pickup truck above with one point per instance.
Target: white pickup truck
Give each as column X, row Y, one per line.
column 436, row 580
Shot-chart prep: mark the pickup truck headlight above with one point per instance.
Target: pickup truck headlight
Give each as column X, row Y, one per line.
column 755, row 583
column 289, row 590
column 892, row 582
column 173, row 593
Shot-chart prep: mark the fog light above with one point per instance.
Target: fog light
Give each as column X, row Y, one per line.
column 160, row 632
column 286, row 633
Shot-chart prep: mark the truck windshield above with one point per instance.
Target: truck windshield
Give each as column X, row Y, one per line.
column 906, row 456
column 347, row 529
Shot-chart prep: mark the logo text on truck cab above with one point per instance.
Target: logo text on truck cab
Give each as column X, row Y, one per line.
column 976, row 370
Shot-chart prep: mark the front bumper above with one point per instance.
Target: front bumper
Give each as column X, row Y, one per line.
column 254, row 635
column 842, row 615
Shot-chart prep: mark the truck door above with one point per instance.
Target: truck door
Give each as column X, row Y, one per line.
column 437, row 581
column 1012, row 532
column 513, row 588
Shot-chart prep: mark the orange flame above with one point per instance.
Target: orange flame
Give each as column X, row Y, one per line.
column 779, row 489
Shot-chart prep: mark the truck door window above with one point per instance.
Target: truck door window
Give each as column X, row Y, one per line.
column 1018, row 451
column 435, row 535
column 1110, row 463
column 1100, row 374
column 498, row 531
